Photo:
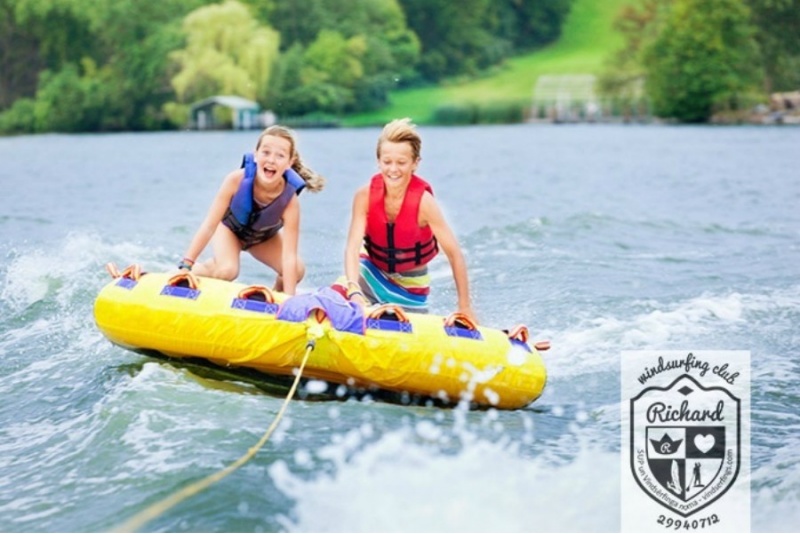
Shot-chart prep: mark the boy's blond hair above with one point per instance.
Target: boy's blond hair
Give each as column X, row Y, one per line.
column 401, row 131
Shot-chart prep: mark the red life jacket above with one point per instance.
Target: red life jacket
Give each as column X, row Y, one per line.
column 400, row 245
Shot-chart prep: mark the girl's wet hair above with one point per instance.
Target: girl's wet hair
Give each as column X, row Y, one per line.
column 314, row 182
column 401, row 131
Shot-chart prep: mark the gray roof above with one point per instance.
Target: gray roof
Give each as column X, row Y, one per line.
column 230, row 101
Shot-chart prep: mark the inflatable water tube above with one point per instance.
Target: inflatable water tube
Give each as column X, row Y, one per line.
column 235, row 325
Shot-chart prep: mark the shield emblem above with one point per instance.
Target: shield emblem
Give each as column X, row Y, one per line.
column 685, row 443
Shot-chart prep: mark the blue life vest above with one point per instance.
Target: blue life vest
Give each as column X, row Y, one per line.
column 250, row 223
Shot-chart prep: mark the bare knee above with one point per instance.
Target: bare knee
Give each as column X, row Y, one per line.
column 213, row 268
column 227, row 272
column 216, row 269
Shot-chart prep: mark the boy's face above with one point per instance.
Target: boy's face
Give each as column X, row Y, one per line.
column 396, row 162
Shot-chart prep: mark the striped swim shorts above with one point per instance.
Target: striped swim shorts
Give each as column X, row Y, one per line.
column 408, row 289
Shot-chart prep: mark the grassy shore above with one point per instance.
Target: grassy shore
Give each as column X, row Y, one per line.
column 587, row 40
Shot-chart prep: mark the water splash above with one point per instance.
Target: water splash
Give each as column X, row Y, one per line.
column 402, row 483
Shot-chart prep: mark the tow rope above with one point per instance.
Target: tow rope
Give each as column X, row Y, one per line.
column 153, row 511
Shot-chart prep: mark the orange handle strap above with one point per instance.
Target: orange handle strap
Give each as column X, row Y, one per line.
column 519, row 332
column 133, row 272
column 111, row 268
column 461, row 319
column 248, row 292
column 382, row 310
column 185, row 276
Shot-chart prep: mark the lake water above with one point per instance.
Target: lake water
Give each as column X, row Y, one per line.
column 599, row 238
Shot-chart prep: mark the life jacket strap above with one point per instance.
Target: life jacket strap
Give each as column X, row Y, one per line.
column 390, row 254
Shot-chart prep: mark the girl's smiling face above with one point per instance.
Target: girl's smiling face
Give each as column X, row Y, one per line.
column 396, row 162
column 274, row 155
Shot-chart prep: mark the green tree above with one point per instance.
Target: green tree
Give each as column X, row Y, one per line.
column 704, row 59
column 392, row 47
column 468, row 36
column 262, row 10
column 75, row 65
column 122, row 43
column 381, row 21
column 227, row 51
column 624, row 74
column 323, row 77
column 74, row 99
column 138, row 36
column 454, row 36
column 299, row 20
column 36, row 35
column 778, row 24
column 331, row 57
column 19, row 118
column 530, row 23
column 20, row 61
column 343, row 56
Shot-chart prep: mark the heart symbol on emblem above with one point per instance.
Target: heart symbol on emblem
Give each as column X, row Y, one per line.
column 704, row 442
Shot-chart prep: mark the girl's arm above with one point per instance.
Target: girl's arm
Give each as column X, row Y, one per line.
column 291, row 234
column 358, row 225
column 220, row 204
column 431, row 215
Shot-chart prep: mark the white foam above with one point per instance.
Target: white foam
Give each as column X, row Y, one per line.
column 597, row 342
column 399, row 485
column 158, row 408
column 33, row 275
column 316, row 386
column 33, row 329
column 775, row 509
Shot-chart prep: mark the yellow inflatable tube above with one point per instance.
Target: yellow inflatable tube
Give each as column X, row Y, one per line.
column 232, row 324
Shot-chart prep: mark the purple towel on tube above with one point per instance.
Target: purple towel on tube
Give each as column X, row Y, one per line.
column 344, row 315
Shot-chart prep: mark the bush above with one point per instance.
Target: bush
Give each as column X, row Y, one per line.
column 704, row 56
column 71, row 101
column 489, row 113
column 312, row 120
column 177, row 115
column 453, row 114
column 501, row 113
column 19, row 118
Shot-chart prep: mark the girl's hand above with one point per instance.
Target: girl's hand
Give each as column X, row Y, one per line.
column 359, row 299
column 469, row 312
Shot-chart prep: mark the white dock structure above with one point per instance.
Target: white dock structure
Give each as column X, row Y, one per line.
column 565, row 98
column 574, row 98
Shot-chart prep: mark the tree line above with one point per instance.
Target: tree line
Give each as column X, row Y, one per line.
column 698, row 59
column 110, row 65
